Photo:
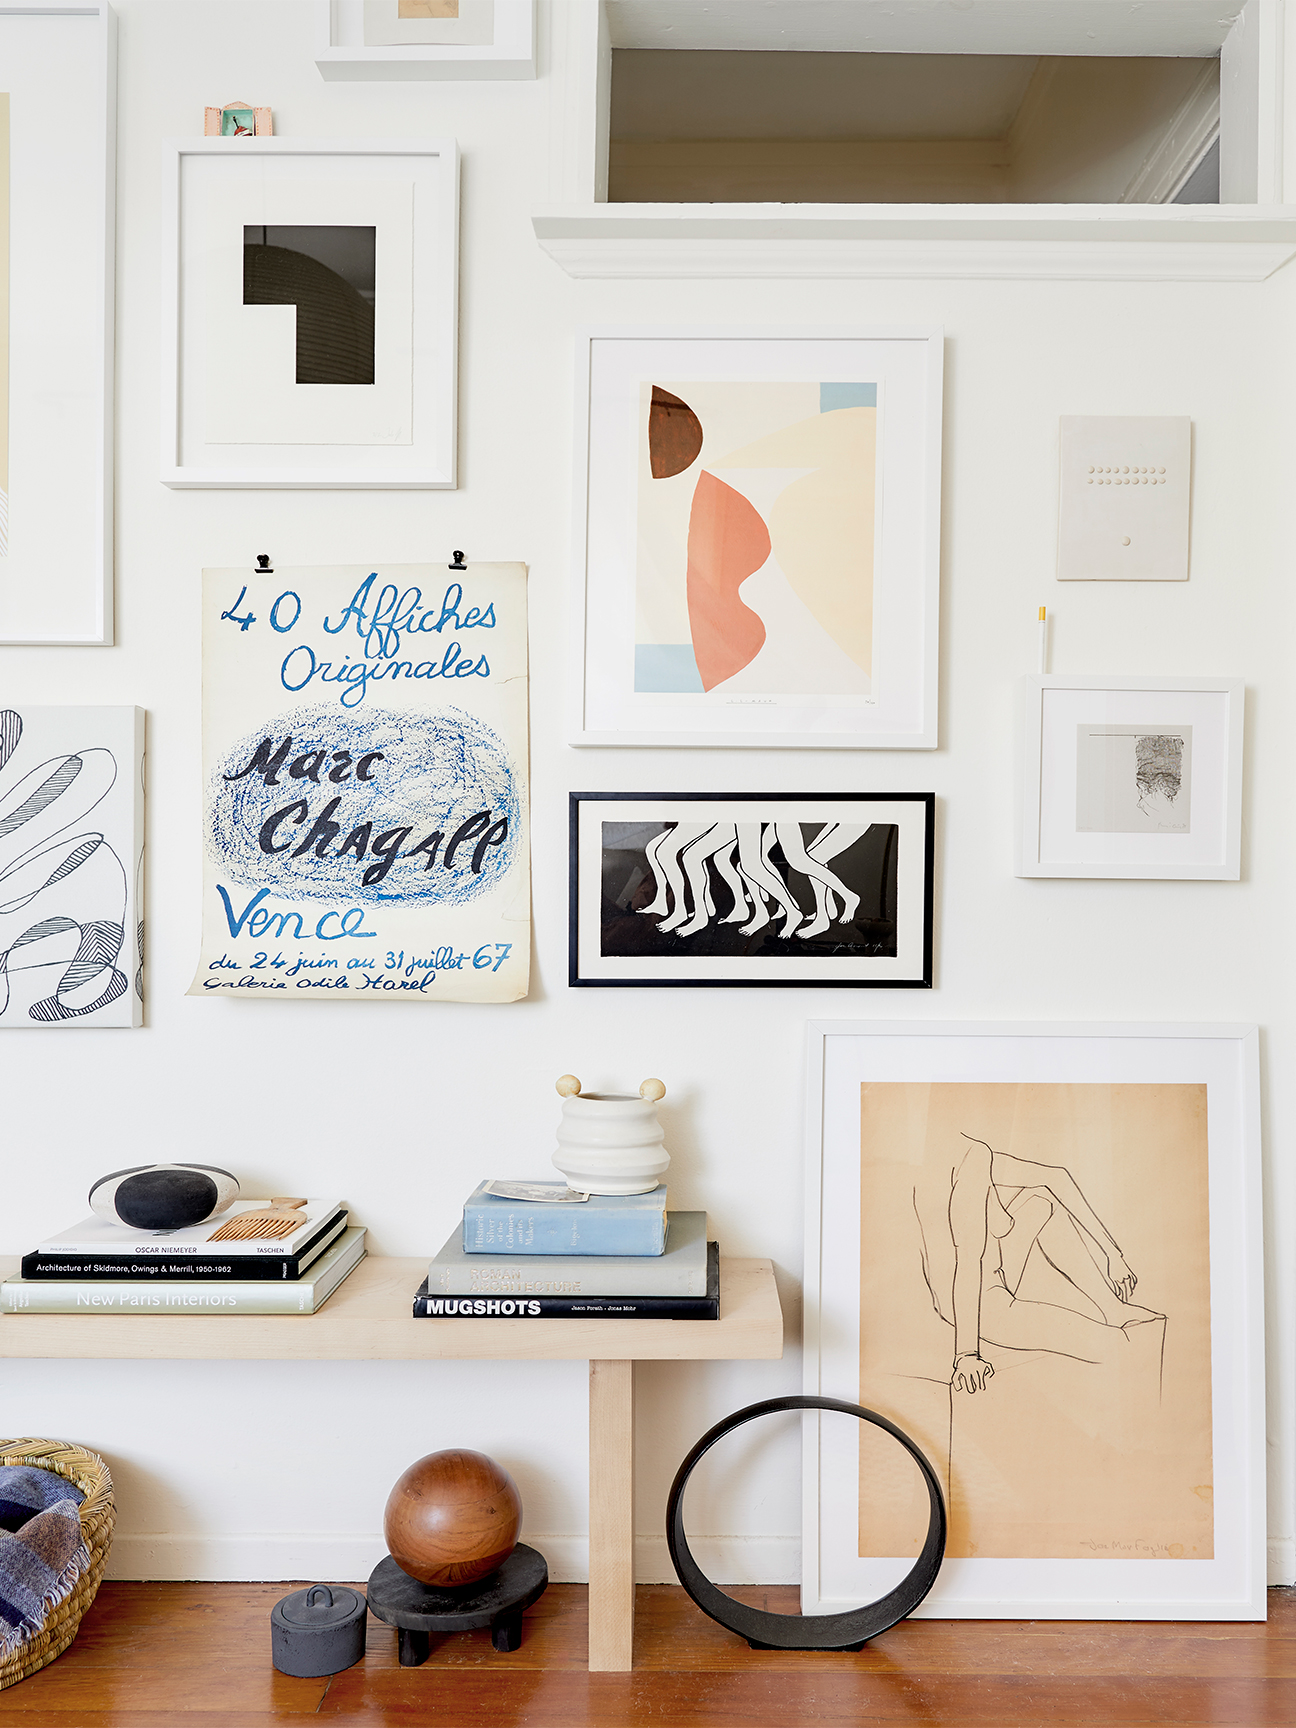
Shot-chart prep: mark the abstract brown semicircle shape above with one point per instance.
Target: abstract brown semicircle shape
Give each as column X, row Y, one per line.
column 674, row 434
column 727, row 542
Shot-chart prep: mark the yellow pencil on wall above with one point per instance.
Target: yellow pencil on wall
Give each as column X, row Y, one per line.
column 1043, row 640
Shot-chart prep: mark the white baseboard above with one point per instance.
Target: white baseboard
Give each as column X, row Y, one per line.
column 288, row 1556
column 1282, row 1560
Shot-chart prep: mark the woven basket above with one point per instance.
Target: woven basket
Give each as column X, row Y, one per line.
column 98, row 1514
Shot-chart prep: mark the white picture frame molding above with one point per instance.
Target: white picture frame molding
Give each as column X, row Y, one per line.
column 431, row 463
column 63, row 592
column 1125, row 861
column 1231, row 1587
column 921, row 732
column 341, row 54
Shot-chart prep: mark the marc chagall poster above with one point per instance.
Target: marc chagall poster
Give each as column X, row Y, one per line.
column 365, row 784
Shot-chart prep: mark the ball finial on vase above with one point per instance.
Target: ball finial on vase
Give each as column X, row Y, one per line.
column 568, row 1086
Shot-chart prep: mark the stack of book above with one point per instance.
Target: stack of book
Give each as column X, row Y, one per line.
column 535, row 1250
column 102, row 1268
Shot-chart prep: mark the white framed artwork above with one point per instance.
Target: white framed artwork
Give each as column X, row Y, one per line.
column 757, row 538
column 1129, row 777
column 58, row 123
column 71, row 866
column 1037, row 1250
column 310, row 327
column 404, row 39
column 1125, row 485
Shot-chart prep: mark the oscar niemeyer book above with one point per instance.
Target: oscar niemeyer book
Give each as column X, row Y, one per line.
column 97, row 1237
column 556, row 1224
column 680, row 1271
column 430, row 1306
column 193, row 1296
column 184, row 1268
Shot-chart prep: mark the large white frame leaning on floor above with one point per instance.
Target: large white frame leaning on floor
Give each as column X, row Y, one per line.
column 342, row 54
column 60, row 73
column 1049, row 841
column 611, row 365
column 843, row 1054
column 409, row 189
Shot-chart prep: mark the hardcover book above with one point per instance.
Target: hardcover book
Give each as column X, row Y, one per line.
column 430, row 1306
column 680, row 1271
column 98, row 1237
column 186, row 1267
column 192, row 1296
column 595, row 1224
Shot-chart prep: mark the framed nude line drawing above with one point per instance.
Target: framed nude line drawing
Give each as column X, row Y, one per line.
column 1036, row 1250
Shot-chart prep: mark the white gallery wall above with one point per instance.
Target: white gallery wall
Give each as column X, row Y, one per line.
column 281, row 1469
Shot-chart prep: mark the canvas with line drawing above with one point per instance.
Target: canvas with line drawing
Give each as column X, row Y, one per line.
column 1035, row 1312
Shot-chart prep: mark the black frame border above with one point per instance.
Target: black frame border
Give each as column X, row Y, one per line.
column 576, row 982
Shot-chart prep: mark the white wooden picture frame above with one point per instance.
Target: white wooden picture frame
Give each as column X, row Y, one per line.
column 341, row 52
column 1126, row 777
column 794, row 662
column 58, row 69
column 232, row 414
column 1029, row 1537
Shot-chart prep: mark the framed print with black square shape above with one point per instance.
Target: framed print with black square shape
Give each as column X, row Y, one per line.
column 58, row 123
column 1037, row 1249
column 758, row 538
column 310, row 313
column 1130, row 777
column 752, row 888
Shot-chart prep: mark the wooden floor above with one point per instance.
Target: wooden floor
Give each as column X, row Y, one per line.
column 150, row 1653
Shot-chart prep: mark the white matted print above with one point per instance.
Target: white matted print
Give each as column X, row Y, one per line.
column 396, row 40
column 751, row 888
column 58, row 76
column 1130, row 777
column 1037, row 1250
column 71, row 866
column 760, row 526
column 310, row 336
column 365, row 805
column 426, row 23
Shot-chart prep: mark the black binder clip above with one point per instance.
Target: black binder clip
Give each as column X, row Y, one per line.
column 458, row 563
column 263, row 565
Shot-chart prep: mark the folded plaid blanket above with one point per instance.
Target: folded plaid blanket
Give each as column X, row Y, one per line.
column 42, row 1553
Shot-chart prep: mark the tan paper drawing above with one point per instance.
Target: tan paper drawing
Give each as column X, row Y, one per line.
column 1035, row 1312
column 429, row 23
column 428, row 9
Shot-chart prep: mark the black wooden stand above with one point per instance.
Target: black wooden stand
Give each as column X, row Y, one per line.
column 417, row 1610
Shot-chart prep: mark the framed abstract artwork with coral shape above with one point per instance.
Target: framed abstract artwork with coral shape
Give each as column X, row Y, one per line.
column 758, row 527
column 752, row 888
column 1130, row 777
column 71, row 866
column 1038, row 1250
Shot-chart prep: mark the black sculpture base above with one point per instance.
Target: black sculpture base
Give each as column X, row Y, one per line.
column 417, row 1610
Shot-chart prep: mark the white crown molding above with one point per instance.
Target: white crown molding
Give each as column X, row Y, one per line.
column 1076, row 242
column 1190, row 134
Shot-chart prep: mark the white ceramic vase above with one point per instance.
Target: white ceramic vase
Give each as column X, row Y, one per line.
column 611, row 1144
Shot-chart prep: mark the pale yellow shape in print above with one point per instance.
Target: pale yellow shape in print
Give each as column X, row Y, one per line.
column 428, row 9
column 731, row 414
column 1092, row 1440
column 822, row 524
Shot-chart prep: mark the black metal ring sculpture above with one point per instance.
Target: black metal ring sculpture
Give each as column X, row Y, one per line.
column 766, row 1631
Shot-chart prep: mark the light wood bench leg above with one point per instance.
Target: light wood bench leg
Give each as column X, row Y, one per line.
column 611, row 1517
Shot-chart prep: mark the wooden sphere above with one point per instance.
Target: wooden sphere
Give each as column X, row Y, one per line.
column 452, row 1518
column 568, row 1086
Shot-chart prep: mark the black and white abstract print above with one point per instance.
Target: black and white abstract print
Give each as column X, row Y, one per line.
column 63, row 882
column 777, row 889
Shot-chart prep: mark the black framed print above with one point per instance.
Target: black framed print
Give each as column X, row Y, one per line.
column 752, row 888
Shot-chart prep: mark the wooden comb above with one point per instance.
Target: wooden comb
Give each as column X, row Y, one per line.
column 279, row 1218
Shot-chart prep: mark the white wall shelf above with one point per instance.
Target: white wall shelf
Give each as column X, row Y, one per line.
column 1068, row 242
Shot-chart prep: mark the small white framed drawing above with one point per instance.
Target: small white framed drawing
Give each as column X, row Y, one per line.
column 1124, row 491
column 410, row 39
column 757, row 537
column 310, row 313
column 58, row 127
column 1037, row 1249
column 1129, row 777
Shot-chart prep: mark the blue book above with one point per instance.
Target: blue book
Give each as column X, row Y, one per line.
column 602, row 1224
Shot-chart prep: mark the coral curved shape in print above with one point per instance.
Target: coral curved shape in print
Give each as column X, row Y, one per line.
column 727, row 542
